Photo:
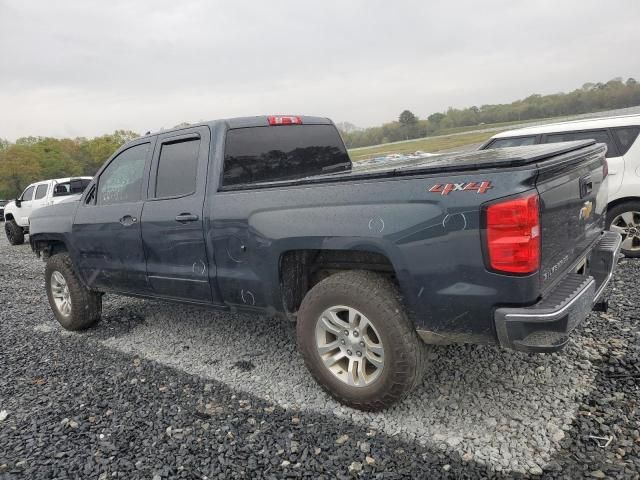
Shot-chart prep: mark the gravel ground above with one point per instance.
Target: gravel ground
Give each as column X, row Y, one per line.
column 163, row 391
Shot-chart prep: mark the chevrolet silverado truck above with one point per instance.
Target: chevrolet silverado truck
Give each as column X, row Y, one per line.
column 35, row 196
column 374, row 263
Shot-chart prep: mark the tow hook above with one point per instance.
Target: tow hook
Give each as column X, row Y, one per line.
column 601, row 306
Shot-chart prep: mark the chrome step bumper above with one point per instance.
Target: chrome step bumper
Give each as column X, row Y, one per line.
column 546, row 326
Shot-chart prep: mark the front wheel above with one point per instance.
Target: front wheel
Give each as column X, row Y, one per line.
column 357, row 341
column 73, row 305
column 15, row 233
column 625, row 219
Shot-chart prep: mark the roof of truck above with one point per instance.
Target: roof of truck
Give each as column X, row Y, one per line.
column 60, row 180
column 244, row 122
column 584, row 124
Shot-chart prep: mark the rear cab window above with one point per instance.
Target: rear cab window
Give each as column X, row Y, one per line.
column 511, row 142
column 280, row 153
column 75, row 186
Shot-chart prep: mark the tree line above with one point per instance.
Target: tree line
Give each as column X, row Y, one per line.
column 30, row 159
column 591, row 97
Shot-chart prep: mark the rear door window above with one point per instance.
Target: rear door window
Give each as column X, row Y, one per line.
column 625, row 137
column 600, row 136
column 277, row 153
column 512, row 142
column 177, row 168
column 41, row 191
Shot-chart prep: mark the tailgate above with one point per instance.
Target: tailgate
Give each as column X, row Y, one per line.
column 573, row 202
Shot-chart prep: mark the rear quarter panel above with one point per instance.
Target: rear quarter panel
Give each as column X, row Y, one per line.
column 432, row 240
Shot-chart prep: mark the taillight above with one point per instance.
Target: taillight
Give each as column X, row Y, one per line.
column 605, row 169
column 284, row 120
column 513, row 235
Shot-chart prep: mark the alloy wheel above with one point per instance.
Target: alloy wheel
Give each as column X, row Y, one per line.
column 60, row 293
column 349, row 346
column 628, row 225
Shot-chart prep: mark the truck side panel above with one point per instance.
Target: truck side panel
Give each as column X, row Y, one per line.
column 431, row 239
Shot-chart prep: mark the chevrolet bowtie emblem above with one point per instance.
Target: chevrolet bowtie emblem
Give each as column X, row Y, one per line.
column 586, row 210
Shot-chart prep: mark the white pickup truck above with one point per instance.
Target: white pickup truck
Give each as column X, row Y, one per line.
column 38, row 195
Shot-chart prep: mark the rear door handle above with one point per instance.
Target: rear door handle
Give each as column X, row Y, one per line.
column 187, row 217
column 128, row 220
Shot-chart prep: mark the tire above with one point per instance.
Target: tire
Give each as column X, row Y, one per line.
column 84, row 305
column 378, row 300
column 15, row 233
column 628, row 227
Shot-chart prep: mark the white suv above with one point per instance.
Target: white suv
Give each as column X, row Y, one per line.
column 623, row 158
column 35, row 196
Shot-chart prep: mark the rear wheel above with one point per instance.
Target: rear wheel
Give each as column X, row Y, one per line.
column 625, row 219
column 15, row 233
column 73, row 305
column 358, row 343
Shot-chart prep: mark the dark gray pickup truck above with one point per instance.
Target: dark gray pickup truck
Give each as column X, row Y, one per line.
column 373, row 261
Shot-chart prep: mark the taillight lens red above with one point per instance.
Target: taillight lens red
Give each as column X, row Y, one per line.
column 284, row 120
column 513, row 235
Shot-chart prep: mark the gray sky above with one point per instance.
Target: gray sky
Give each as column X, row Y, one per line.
column 84, row 68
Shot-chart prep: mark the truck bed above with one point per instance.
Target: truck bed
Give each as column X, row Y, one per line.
column 446, row 163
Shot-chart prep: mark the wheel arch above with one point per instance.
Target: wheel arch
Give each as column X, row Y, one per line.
column 46, row 246
column 621, row 200
column 300, row 269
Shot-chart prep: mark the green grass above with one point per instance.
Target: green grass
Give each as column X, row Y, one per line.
column 429, row 144
column 470, row 128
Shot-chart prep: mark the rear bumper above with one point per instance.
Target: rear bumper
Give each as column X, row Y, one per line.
column 546, row 326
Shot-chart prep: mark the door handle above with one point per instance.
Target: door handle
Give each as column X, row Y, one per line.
column 128, row 220
column 187, row 217
column 586, row 186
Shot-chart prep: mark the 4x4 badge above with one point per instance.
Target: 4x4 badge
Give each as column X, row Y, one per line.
column 446, row 188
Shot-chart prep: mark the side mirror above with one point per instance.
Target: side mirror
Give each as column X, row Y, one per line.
column 18, row 202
